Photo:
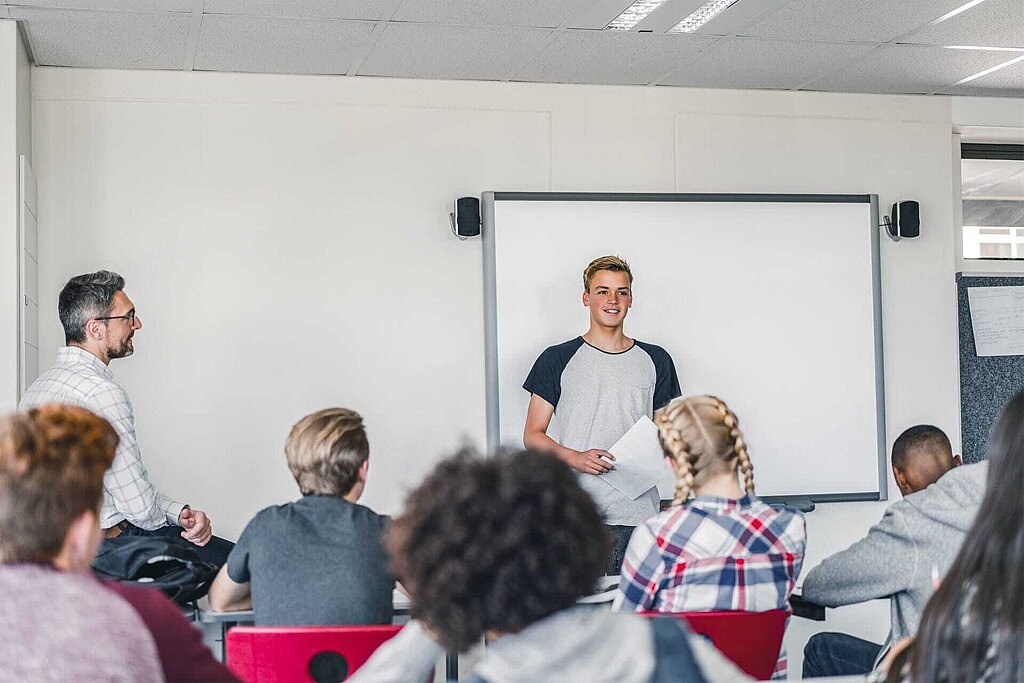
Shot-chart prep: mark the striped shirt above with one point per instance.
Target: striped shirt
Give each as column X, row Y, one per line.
column 82, row 379
column 714, row 554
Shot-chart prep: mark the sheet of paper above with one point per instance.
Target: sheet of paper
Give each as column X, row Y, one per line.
column 997, row 316
column 639, row 460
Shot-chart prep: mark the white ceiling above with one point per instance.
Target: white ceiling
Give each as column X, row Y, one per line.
column 879, row 46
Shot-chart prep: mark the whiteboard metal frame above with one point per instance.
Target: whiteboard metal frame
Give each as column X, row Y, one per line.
column 487, row 202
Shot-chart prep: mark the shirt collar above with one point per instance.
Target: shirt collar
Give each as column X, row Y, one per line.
column 724, row 504
column 78, row 355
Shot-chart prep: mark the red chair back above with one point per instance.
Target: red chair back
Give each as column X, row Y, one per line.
column 752, row 640
column 310, row 654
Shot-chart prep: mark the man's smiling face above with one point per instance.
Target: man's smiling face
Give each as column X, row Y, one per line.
column 609, row 298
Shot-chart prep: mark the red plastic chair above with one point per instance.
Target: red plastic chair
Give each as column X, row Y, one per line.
column 752, row 640
column 311, row 654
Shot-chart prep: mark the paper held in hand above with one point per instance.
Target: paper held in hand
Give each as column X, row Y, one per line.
column 639, row 460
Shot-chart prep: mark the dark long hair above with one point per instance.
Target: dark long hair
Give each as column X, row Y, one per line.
column 973, row 627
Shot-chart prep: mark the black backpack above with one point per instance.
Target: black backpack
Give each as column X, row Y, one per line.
column 164, row 563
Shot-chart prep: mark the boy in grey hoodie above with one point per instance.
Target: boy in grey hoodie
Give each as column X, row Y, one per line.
column 903, row 557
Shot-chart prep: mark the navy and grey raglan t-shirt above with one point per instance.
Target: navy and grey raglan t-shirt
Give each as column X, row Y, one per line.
column 598, row 396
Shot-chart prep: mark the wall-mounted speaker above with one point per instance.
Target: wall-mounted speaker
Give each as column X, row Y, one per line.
column 465, row 219
column 904, row 221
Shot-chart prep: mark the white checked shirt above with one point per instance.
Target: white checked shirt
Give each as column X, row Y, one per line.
column 81, row 379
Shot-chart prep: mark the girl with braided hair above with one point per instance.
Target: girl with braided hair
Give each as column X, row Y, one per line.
column 722, row 548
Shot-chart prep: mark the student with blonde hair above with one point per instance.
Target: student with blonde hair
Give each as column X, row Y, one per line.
column 722, row 549
column 319, row 560
column 599, row 384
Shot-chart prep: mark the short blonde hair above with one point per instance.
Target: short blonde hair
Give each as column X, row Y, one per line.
column 612, row 263
column 325, row 451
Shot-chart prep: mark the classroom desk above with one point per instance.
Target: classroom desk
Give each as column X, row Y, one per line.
column 806, row 608
column 204, row 614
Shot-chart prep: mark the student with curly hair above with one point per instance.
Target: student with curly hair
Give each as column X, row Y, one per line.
column 57, row 621
column 52, row 462
column 723, row 549
column 972, row 628
column 503, row 548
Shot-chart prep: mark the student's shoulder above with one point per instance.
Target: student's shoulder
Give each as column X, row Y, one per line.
column 270, row 516
column 563, row 350
column 370, row 517
column 787, row 521
column 653, row 350
column 670, row 519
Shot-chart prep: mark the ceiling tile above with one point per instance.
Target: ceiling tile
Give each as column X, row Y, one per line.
column 110, row 40
column 301, row 9
column 910, row 69
column 538, row 13
column 994, row 23
column 1008, row 82
column 458, row 52
column 747, row 63
column 612, row 57
column 873, row 21
column 279, row 45
column 128, row 5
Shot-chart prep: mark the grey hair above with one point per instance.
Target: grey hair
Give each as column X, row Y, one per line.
column 85, row 297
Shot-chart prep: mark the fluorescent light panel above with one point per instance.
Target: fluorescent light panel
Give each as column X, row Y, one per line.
column 633, row 15
column 702, row 15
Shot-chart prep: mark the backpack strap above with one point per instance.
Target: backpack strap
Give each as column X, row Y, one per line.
column 673, row 658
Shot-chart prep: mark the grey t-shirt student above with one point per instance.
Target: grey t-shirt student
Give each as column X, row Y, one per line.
column 316, row 562
column 598, row 396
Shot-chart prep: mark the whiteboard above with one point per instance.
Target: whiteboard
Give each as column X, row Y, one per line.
column 771, row 302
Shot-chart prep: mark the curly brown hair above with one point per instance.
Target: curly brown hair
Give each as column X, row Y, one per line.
column 52, row 462
column 495, row 544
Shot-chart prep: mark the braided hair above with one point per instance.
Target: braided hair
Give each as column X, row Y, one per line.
column 702, row 437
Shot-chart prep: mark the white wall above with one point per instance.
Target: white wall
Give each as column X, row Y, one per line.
column 286, row 242
column 15, row 139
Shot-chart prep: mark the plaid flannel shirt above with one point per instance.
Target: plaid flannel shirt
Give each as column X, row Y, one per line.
column 82, row 379
column 714, row 554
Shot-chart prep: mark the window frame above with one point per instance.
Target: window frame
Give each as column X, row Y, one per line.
column 980, row 150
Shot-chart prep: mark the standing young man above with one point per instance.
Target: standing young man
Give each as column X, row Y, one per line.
column 99, row 325
column 600, row 384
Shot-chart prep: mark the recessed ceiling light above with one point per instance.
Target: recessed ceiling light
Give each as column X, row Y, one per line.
column 702, row 15
column 988, row 71
column 633, row 15
column 958, row 10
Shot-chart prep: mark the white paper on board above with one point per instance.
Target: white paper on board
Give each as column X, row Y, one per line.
column 997, row 316
column 639, row 460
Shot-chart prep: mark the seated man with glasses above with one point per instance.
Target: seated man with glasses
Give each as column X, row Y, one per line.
column 99, row 323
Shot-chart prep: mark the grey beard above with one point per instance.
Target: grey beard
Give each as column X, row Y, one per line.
column 123, row 352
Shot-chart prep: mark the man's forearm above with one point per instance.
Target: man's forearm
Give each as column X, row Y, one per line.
column 542, row 443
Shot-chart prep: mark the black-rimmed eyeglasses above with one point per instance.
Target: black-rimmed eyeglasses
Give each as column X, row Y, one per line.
column 127, row 317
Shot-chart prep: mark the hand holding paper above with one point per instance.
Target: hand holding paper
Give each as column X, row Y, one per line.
column 639, row 460
column 594, row 461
